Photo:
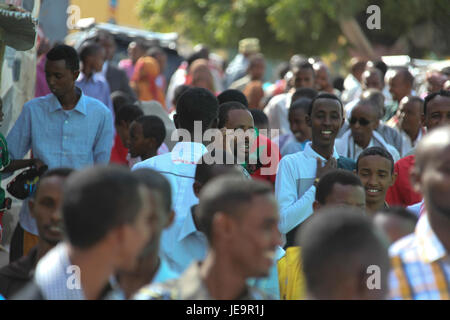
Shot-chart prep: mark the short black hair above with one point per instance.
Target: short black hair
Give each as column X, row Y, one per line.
column 337, row 245
column 57, row 172
column 254, row 59
column 301, row 104
column 376, row 151
column 155, row 51
column 153, row 127
column 205, row 170
column 325, row 96
column 66, row 53
column 197, row 104
column 230, row 95
column 338, row 176
column 226, row 194
column 224, row 110
column 405, row 74
column 97, row 200
column 156, row 181
column 400, row 212
column 304, row 93
column 128, row 113
column 428, row 98
column 120, row 99
column 88, row 49
column 259, row 117
column 303, row 65
column 179, row 91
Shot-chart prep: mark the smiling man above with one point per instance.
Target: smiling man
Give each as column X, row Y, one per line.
column 299, row 173
column 375, row 168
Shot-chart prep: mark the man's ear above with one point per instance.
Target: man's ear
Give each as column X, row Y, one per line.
column 394, row 178
column 176, row 121
column 197, row 186
column 31, row 207
column 316, row 206
column 222, row 224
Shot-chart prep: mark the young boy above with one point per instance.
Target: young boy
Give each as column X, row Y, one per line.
column 298, row 113
column 7, row 165
column 147, row 133
column 375, row 168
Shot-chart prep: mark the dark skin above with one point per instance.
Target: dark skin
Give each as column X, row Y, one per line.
column 325, row 121
column 139, row 145
column 61, row 82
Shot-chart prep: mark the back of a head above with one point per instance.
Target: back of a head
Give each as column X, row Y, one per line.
column 375, row 98
column 224, row 110
column 66, row 53
column 227, row 195
column 153, row 127
column 98, row 200
column 215, row 163
column 406, row 76
column 120, row 99
column 197, row 104
column 348, row 244
column 155, row 51
column 155, row 181
column 338, row 176
column 128, row 113
column 260, row 118
column 230, row 95
column 179, row 91
column 301, row 104
column 309, row 93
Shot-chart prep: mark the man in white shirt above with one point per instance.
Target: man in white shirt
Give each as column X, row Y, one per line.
column 299, row 173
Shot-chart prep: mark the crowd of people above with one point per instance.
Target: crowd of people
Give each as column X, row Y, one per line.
column 215, row 184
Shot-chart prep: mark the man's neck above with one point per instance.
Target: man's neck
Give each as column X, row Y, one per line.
column 374, row 207
column 222, row 282
column 324, row 151
column 131, row 282
column 440, row 225
column 70, row 100
column 149, row 154
column 95, row 267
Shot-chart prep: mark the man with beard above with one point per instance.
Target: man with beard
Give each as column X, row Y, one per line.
column 421, row 264
column 45, row 208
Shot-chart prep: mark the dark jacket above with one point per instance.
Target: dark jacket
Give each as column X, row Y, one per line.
column 16, row 275
column 118, row 80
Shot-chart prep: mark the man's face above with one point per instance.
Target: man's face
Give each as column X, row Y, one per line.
column 137, row 143
column 371, row 80
column 134, row 51
column 321, row 78
column 299, row 125
column 137, row 234
column 46, row 209
column 95, row 61
column 325, row 121
column 256, row 236
column 257, row 70
column 438, row 112
column 348, row 195
column 398, row 87
column 60, row 79
column 304, row 78
column 434, row 180
column 241, row 119
column 362, row 123
column 410, row 116
column 110, row 47
column 376, row 177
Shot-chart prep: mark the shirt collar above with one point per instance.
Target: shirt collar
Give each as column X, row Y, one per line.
column 80, row 107
column 430, row 247
column 188, row 227
column 311, row 153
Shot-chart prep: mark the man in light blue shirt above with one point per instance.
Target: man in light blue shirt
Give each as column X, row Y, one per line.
column 65, row 128
column 299, row 173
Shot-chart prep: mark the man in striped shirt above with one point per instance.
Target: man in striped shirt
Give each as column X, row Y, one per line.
column 421, row 261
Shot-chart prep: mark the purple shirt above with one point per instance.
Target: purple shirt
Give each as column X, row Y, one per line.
column 96, row 87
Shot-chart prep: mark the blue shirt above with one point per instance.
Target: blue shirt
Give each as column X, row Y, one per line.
column 74, row 138
column 96, row 87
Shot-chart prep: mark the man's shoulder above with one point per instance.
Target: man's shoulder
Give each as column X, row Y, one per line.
column 156, row 162
column 168, row 290
column 95, row 106
column 39, row 101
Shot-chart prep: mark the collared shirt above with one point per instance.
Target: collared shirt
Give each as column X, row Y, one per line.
column 294, row 186
column 420, row 266
column 293, row 146
column 190, row 286
column 96, row 87
column 277, row 112
column 74, row 138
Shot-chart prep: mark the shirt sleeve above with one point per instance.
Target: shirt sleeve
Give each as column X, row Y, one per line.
column 104, row 141
column 19, row 138
column 293, row 210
